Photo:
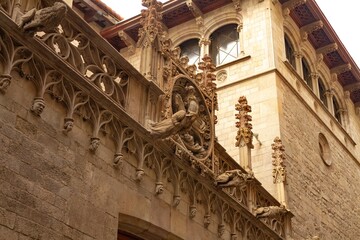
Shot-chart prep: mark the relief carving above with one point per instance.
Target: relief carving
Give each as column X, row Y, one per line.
column 12, row 57
column 43, row 20
column 270, row 211
column 233, row 178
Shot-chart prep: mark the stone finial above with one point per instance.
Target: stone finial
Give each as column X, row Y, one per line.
column 278, row 161
column 150, row 21
column 244, row 125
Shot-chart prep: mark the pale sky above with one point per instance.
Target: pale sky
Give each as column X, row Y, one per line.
column 344, row 17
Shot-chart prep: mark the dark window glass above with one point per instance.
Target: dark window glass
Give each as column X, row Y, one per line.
column 191, row 49
column 289, row 49
column 306, row 73
column 225, row 44
column 322, row 92
column 337, row 113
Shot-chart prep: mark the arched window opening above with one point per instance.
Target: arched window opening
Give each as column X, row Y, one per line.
column 289, row 50
column 337, row 112
column 191, row 49
column 322, row 92
column 306, row 72
column 225, row 44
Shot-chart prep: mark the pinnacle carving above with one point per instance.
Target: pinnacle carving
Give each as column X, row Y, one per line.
column 279, row 173
column 150, row 21
column 244, row 134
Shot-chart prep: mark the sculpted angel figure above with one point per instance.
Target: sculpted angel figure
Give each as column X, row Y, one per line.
column 182, row 119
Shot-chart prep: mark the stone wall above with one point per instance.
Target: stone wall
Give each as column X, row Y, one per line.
column 324, row 199
column 53, row 187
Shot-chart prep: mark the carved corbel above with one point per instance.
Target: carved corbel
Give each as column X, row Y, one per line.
column 351, row 87
column 122, row 135
column 43, row 79
column 332, row 47
column 130, row 43
column 194, row 9
column 291, row 5
column 308, row 29
column 142, row 150
column 341, row 69
column 222, row 210
column 319, row 60
column 194, row 191
column 13, row 57
column 99, row 118
column 160, row 165
column 200, row 23
column 209, row 200
column 237, row 5
column 73, row 100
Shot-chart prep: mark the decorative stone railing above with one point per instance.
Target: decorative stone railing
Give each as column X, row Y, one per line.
column 90, row 79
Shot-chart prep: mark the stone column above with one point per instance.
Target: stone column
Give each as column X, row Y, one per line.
column 298, row 57
column 241, row 39
column 315, row 82
column 204, row 44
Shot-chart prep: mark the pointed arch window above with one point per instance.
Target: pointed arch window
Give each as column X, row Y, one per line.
column 322, row 92
column 306, row 72
column 191, row 49
column 289, row 50
column 225, row 45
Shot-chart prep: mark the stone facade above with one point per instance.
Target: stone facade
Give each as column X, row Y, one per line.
column 79, row 159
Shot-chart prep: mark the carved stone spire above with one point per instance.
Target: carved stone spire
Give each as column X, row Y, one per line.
column 150, row 36
column 278, row 161
column 150, row 21
column 244, row 134
column 279, row 173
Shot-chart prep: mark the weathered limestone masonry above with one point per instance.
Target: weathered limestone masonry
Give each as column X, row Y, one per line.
column 78, row 159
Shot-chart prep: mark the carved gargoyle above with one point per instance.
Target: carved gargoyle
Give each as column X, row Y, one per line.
column 233, row 178
column 45, row 19
column 270, row 211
